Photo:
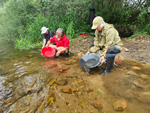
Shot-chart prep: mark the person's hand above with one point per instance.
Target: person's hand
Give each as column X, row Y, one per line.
column 87, row 53
column 102, row 59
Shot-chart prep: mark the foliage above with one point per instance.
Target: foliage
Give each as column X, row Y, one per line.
column 28, row 16
column 22, row 20
column 127, row 14
column 137, row 33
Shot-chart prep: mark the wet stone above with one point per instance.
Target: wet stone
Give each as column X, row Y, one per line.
column 97, row 105
column 66, row 90
column 69, row 76
column 139, row 85
column 80, row 54
column 29, row 56
column 67, row 62
column 143, row 97
column 82, row 104
column 51, row 87
column 136, row 68
column 120, row 57
column 132, row 73
column 126, row 49
column 61, row 82
column 120, row 105
column 117, row 61
column 89, row 89
column 143, row 76
column 63, row 68
column 74, row 90
column 53, row 66
column 52, row 81
column 80, row 81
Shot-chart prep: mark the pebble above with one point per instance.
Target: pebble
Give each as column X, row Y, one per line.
column 120, row 105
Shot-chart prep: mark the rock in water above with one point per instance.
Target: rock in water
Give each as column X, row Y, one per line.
column 66, row 90
column 126, row 49
column 143, row 97
column 120, row 105
column 61, row 82
column 97, row 105
column 80, row 54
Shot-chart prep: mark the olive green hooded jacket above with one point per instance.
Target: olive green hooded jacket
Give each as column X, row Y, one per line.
column 105, row 39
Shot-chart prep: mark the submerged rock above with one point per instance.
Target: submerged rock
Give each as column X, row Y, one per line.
column 140, row 85
column 74, row 89
column 97, row 105
column 62, row 68
column 67, row 62
column 89, row 89
column 143, row 97
column 69, row 76
column 61, row 82
column 120, row 105
column 52, row 81
column 29, row 56
column 136, row 68
column 120, row 57
column 132, row 73
column 82, row 104
column 80, row 54
column 144, row 76
column 126, row 49
column 117, row 61
column 66, row 90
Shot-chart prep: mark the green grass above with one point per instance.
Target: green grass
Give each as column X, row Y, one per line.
column 138, row 34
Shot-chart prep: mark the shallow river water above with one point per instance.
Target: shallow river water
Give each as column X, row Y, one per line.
column 31, row 83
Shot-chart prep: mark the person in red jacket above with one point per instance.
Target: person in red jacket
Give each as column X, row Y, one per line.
column 61, row 41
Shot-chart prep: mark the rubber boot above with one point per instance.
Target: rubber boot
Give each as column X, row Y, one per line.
column 109, row 66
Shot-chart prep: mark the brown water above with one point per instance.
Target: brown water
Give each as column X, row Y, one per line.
column 31, row 83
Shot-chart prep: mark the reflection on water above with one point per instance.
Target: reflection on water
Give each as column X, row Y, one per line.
column 32, row 83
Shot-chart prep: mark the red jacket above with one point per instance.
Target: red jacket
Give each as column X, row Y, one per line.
column 63, row 42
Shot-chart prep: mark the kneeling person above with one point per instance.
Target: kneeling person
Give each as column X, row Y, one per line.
column 61, row 41
column 47, row 35
column 108, row 41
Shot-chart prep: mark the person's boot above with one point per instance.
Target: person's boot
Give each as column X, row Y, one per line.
column 109, row 66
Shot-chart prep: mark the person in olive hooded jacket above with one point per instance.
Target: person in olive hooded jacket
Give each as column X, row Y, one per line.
column 108, row 41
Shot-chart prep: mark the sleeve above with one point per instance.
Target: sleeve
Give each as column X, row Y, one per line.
column 52, row 40
column 96, row 47
column 110, row 36
column 52, row 34
column 66, row 43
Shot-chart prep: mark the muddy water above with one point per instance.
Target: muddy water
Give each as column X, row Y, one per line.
column 31, row 83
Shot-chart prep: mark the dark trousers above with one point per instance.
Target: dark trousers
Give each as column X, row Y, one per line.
column 112, row 51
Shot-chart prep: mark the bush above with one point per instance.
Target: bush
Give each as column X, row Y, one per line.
column 28, row 16
column 22, row 19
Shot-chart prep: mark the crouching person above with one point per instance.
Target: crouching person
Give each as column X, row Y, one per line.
column 106, row 40
column 61, row 41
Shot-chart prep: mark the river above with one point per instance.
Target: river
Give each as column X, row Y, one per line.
column 31, row 83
